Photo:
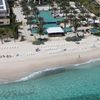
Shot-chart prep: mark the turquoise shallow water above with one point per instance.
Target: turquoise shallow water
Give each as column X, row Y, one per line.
column 82, row 83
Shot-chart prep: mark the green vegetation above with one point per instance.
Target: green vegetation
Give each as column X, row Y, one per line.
column 74, row 38
column 40, row 41
column 97, row 34
column 91, row 5
column 37, row 42
column 31, row 12
column 10, row 31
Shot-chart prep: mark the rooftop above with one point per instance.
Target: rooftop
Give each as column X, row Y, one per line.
column 2, row 5
column 47, row 16
column 55, row 30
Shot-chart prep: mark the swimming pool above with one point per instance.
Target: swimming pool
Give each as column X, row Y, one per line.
column 49, row 21
column 94, row 30
column 50, row 25
column 68, row 29
column 47, row 16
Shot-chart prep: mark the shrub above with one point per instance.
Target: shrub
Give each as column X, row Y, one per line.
column 74, row 38
column 97, row 34
column 22, row 38
column 37, row 42
column 40, row 41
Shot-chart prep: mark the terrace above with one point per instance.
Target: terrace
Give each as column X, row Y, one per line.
column 56, row 18
column 49, row 20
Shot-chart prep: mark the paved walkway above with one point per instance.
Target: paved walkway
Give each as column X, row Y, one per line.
column 21, row 18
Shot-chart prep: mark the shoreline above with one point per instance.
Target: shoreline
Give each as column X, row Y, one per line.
column 21, row 69
column 25, row 60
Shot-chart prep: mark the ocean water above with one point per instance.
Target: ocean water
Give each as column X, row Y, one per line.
column 80, row 83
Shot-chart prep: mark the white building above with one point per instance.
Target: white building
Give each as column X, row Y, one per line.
column 4, row 13
column 39, row 1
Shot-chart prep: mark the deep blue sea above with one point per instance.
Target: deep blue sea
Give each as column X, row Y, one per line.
column 79, row 83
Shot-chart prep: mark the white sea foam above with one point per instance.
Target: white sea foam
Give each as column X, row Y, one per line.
column 87, row 62
column 39, row 73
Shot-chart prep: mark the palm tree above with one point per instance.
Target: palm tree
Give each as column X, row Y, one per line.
column 76, row 24
column 1, row 35
column 36, row 12
column 11, row 2
column 54, row 11
column 8, row 32
column 40, row 29
column 97, row 9
column 74, row 12
column 31, row 3
column 32, row 6
column 50, row 3
column 65, row 21
column 26, row 11
column 87, row 17
column 83, row 12
column 71, row 9
column 52, row 8
column 94, row 18
column 70, row 17
column 66, row 11
column 65, row 7
column 30, row 20
column 15, row 31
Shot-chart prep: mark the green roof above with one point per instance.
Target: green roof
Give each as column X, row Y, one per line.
column 50, row 25
column 60, row 19
column 47, row 16
column 68, row 29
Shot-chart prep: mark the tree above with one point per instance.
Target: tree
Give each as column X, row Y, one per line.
column 94, row 18
column 71, row 9
column 8, row 32
column 54, row 11
column 76, row 24
column 65, row 21
column 36, row 12
column 87, row 18
column 26, row 11
column 50, row 3
column 1, row 35
column 11, row 2
column 30, row 18
column 40, row 29
column 97, row 9
column 31, row 3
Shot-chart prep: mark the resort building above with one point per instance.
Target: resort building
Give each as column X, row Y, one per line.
column 39, row 1
column 4, row 13
column 55, row 31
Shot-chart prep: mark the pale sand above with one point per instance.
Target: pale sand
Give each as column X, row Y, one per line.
column 17, row 67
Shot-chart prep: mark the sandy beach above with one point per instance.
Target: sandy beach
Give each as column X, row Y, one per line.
column 20, row 59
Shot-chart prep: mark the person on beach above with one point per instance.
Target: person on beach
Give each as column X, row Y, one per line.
column 79, row 56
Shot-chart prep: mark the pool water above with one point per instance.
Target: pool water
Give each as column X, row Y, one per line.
column 94, row 30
